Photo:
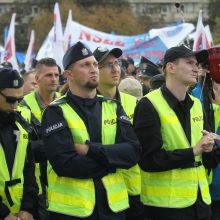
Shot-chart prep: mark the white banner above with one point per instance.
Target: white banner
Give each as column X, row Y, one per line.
column 174, row 35
column 170, row 36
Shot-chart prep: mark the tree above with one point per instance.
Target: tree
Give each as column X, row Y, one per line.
column 107, row 17
column 214, row 20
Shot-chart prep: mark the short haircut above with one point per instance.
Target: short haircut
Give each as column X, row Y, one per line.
column 46, row 62
column 26, row 74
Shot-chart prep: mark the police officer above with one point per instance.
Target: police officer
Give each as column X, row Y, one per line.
column 169, row 123
column 47, row 78
column 87, row 138
column 109, row 78
column 148, row 70
column 18, row 187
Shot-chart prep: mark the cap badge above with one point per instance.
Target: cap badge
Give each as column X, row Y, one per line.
column 100, row 49
column 143, row 66
column 85, row 52
column 15, row 83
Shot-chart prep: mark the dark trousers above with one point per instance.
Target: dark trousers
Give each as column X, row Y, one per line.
column 189, row 213
column 136, row 209
column 42, row 207
column 95, row 216
column 215, row 210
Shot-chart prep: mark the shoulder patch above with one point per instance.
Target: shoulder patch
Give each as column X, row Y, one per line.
column 58, row 101
column 124, row 119
column 54, row 128
column 104, row 99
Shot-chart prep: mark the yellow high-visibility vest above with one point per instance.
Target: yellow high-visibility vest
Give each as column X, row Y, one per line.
column 11, row 188
column 131, row 176
column 32, row 104
column 176, row 188
column 76, row 197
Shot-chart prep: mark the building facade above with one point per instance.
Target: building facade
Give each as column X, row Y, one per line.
column 162, row 12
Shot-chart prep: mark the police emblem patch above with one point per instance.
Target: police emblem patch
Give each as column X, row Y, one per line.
column 15, row 83
column 85, row 52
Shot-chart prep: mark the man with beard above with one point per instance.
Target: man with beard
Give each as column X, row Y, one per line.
column 87, row 138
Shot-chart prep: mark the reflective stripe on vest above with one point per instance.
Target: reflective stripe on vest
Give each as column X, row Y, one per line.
column 131, row 176
column 76, row 197
column 36, row 111
column 15, row 191
column 175, row 188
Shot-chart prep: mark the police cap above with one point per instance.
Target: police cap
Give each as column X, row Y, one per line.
column 101, row 53
column 75, row 53
column 10, row 78
column 145, row 61
column 149, row 71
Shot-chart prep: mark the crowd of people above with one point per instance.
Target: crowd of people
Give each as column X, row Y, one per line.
column 106, row 139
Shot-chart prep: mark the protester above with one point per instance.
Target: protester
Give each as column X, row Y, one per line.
column 207, row 90
column 109, row 78
column 47, row 77
column 170, row 126
column 123, row 63
column 132, row 87
column 215, row 174
column 87, row 139
column 131, row 70
column 18, row 189
column 30, row 83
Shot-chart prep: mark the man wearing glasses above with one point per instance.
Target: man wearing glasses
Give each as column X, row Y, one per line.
column 18, row 188
column 109, row 78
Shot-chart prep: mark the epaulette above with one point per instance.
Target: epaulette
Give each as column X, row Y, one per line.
column 59, row 101
column 103, row 98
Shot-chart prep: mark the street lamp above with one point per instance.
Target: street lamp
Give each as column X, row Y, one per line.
column 180, row 9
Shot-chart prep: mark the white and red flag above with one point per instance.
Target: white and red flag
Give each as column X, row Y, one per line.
column 200, row 39
column 58, row 51
column 67, row 37
column 9, row 53
column 30, row 52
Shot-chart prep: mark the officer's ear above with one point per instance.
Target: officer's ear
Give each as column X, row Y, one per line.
column 170, row 67
column 68, row 74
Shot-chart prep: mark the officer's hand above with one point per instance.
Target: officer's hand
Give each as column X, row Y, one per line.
column 216, row 90
column 10, row 217
column 206, row 143
column 23, row 215
column 82, row 149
